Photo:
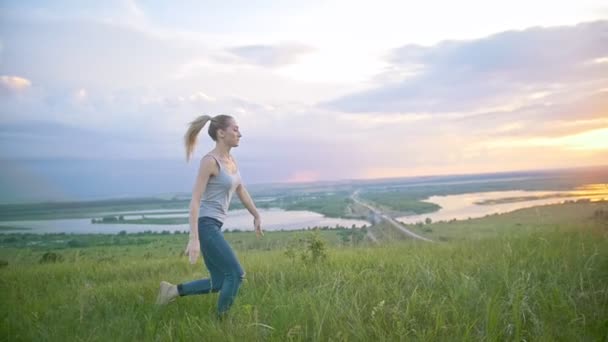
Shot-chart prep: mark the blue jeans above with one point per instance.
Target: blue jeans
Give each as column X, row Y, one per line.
column 225, row 270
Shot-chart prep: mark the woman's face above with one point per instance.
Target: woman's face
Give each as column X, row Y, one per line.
column 232, row 135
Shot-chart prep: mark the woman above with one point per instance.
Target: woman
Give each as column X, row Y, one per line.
column 218, row 178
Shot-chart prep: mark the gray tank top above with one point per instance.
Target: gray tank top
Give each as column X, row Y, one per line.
column 218, row 193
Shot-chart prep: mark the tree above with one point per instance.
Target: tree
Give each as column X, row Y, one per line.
column 344, row 236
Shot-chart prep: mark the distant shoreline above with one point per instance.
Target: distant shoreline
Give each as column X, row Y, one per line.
column 3, row 228
column 533, row 198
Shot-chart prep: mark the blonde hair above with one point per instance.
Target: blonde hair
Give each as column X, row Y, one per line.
column 217, row 122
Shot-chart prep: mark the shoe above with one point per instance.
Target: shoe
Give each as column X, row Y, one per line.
column 166, row 294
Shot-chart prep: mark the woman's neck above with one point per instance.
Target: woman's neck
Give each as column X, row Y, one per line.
column 222, row 151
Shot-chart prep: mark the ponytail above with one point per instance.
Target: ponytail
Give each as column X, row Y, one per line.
column 192, row 133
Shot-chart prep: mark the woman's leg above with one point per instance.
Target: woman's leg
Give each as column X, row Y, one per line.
column 216, row 279
column 222, row 263
column 222, row 255
column 205, row 285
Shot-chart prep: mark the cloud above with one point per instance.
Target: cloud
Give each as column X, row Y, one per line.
column 558, row 115
column 199, row 96
column 268, row 55
column 13, row 84
column 126, row 92
column 51, row 140
column 77, row 52
column 496, row 70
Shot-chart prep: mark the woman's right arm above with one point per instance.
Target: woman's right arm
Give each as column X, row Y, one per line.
column 206, row 169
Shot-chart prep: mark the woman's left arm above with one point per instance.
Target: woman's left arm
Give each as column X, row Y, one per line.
column 245, row 198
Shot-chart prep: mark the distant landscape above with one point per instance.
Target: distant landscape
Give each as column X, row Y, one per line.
column 399, row 197
column 522, row 275
column 422, row 171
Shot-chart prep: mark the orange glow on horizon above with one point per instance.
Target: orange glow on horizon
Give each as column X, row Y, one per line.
column 303, row 176
column 595, row 139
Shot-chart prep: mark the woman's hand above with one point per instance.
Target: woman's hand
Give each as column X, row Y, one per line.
column 257, row 222
column 193, row 250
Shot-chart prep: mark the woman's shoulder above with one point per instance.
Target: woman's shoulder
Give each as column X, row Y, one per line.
column 210, row 161
column 208, row 156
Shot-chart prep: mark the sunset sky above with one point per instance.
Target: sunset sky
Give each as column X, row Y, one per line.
column 322, row 90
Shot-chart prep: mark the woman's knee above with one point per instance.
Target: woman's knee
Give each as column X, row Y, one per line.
column 216, row 284
column 235, row 270
column 235, row 275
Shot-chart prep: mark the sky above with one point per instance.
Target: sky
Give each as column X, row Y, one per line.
column 322, row 90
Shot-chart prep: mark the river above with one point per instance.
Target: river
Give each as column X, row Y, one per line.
column 464, row 206
column 272, row 219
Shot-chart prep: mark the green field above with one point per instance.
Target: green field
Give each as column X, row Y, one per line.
column 535, row 274
column 405, row 203
column 12, row 228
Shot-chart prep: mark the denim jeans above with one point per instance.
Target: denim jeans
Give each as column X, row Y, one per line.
column 225, row 270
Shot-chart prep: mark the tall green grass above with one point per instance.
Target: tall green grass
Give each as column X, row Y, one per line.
column 542, row 282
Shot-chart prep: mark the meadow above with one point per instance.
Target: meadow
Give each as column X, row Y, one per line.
column 534, row 274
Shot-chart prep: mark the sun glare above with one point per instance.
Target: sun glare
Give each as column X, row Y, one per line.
column 596, row 139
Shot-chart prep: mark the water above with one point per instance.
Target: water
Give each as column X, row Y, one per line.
column 272, row 219
column 462, row 207
column 458, row 207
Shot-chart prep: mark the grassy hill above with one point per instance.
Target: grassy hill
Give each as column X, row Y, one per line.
column 535, row 274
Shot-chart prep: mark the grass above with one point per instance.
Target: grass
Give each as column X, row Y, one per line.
column 12, row 228
column 330, row 205
column 544, row 279
column 399, row 201
column 569, row 216
column 158, row 244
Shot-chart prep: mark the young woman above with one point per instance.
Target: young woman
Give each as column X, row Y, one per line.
column 218, row 178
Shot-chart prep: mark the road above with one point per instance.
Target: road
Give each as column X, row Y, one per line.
column 369, row 233
column 385, row 217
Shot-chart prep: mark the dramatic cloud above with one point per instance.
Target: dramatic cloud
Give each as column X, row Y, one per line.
column 121, row 80
column 550, row 118
column 498, row 70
